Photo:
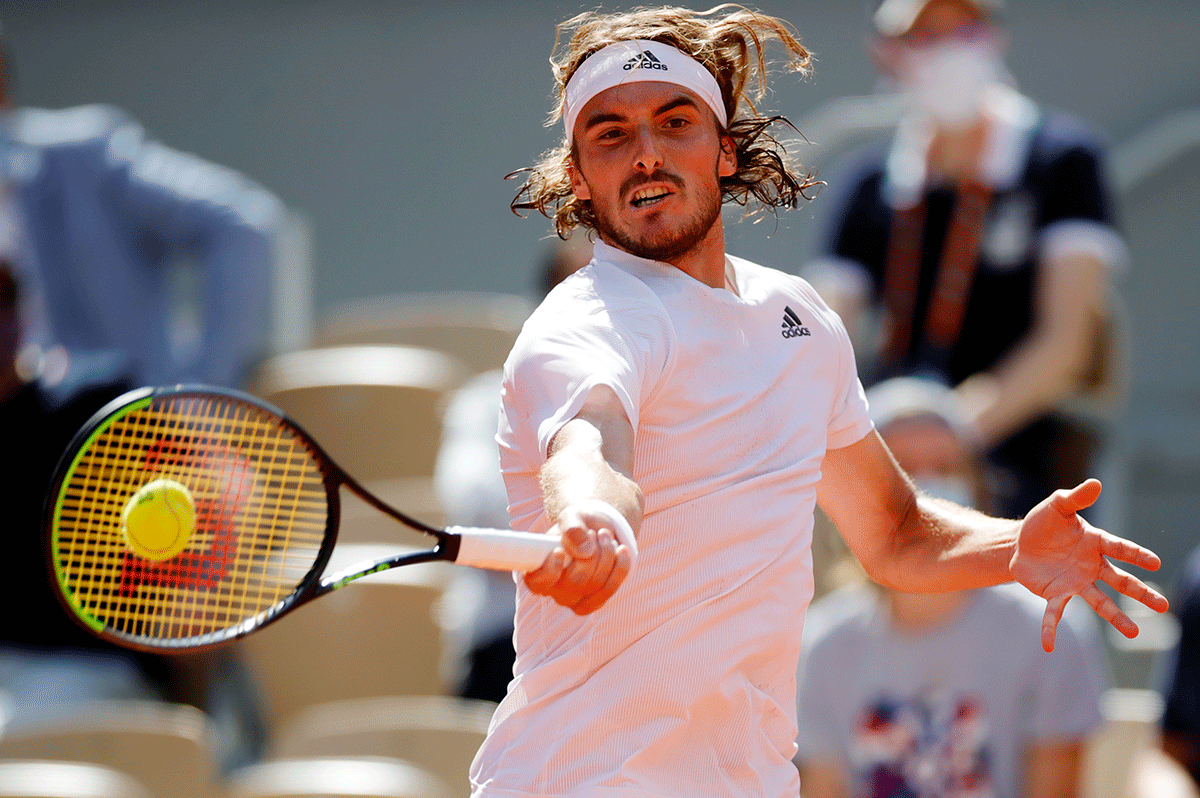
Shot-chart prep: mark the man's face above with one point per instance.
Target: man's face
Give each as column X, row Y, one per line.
column 649, row 157
column 935, row 457
column 945, row 19
column 923, row 446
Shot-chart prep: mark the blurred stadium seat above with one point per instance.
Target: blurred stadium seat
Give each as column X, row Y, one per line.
column 479, row 328
column 335, row 778
column 49, row 779
column 376, row 636
column 1130, row 726
column 440, row 734
column 166, row 747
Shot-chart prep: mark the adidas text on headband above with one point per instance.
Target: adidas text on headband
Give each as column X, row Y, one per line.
column 634, row 61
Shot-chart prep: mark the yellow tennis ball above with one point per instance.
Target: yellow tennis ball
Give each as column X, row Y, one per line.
column 158, row 520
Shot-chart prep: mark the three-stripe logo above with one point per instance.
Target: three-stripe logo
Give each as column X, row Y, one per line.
column 645, row 60
column 792, row 326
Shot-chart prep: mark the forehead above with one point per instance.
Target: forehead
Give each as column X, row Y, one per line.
column 945, row 17
column 645, row 97
column 921, row 443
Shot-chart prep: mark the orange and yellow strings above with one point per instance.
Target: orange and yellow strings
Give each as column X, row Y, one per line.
column 261, row 516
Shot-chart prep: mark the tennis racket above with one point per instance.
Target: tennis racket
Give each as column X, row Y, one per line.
column 264, row 507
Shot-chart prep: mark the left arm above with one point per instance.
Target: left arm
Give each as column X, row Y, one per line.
column 911, row 542
column 227, row 222
column 1047, row 364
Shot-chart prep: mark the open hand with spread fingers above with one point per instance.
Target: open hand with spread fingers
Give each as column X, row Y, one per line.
column 1060, row 555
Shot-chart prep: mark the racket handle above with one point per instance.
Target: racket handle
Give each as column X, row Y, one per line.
column 506, row 550
column 502, row 549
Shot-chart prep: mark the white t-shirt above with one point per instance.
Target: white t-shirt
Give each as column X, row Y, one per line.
column 948, row 711
column 683, row 684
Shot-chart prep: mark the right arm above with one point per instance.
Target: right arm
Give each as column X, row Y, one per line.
column 590, row 457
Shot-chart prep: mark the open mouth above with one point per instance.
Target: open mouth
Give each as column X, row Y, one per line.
column 646, row 197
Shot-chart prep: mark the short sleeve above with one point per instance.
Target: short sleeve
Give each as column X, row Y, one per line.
column 856, row 223
column 555, row 371
column 574, row 342
column 850, row 420
column 1077, row 213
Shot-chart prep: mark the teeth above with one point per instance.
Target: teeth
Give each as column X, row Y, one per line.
column 643, row 195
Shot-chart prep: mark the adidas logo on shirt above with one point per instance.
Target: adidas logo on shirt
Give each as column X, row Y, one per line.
column 792, row 326
column 645, row 60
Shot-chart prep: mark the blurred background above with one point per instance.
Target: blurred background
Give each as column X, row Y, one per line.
column 387, row 127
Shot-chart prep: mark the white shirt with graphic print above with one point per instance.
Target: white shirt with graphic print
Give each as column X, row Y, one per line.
column 948, row 711
column 683, row 684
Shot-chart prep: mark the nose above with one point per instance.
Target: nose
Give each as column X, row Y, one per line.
column 647, row 150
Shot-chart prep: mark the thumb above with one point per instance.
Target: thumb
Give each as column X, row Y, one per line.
column 1078, row 498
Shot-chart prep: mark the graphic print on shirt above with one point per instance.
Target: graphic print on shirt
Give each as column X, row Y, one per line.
column 933, row 745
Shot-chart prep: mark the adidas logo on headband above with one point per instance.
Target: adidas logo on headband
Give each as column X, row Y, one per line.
column 645, row 60
column 632, row 62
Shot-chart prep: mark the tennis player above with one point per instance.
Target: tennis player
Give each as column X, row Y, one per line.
column 705, row 404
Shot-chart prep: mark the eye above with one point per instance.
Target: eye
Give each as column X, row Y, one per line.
column 609, row 134
column 678, row 122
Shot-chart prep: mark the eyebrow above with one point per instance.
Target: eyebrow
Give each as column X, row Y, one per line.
column 602, row 118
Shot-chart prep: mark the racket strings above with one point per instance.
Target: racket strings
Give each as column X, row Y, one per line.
column 261, row 515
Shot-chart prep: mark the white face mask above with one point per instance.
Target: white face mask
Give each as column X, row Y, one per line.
column 947, row 79
column 950, row 488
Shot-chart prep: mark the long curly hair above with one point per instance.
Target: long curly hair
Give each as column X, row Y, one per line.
column 729, row 41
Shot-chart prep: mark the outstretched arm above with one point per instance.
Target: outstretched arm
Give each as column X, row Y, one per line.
column 590, row 458
column 914, row 543
column 1048, row 364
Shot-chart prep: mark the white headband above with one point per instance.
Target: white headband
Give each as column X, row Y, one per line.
column 634, row 61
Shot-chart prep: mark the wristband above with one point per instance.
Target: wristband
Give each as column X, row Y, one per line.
column 620, row 526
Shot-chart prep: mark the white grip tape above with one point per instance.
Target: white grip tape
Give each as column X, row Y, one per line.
column 502, row 549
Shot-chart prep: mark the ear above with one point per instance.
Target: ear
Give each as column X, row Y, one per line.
column 578, row 185
column 727, row 164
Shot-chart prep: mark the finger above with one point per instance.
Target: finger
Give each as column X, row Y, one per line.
column 621, row 566
column 1107, row 609
column 579, row 542
column 1128, row 551
column 1080, row 497
column 607, row 558
column 578, row 577
column 1054, row 613
column 584, row 577
column 543, row 580
column 1135, row 588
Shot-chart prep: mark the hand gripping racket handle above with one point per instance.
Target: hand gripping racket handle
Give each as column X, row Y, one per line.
column 504, row 550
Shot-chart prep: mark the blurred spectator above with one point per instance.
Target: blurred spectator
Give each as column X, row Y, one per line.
column 49, row 665
column 106, row 226
column 984, row 238
column 47, row 662
column 1181, row 714
column 480, row 610
column 942, row 695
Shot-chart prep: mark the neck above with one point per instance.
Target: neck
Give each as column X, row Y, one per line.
column 705, row 261
column 956, row 153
